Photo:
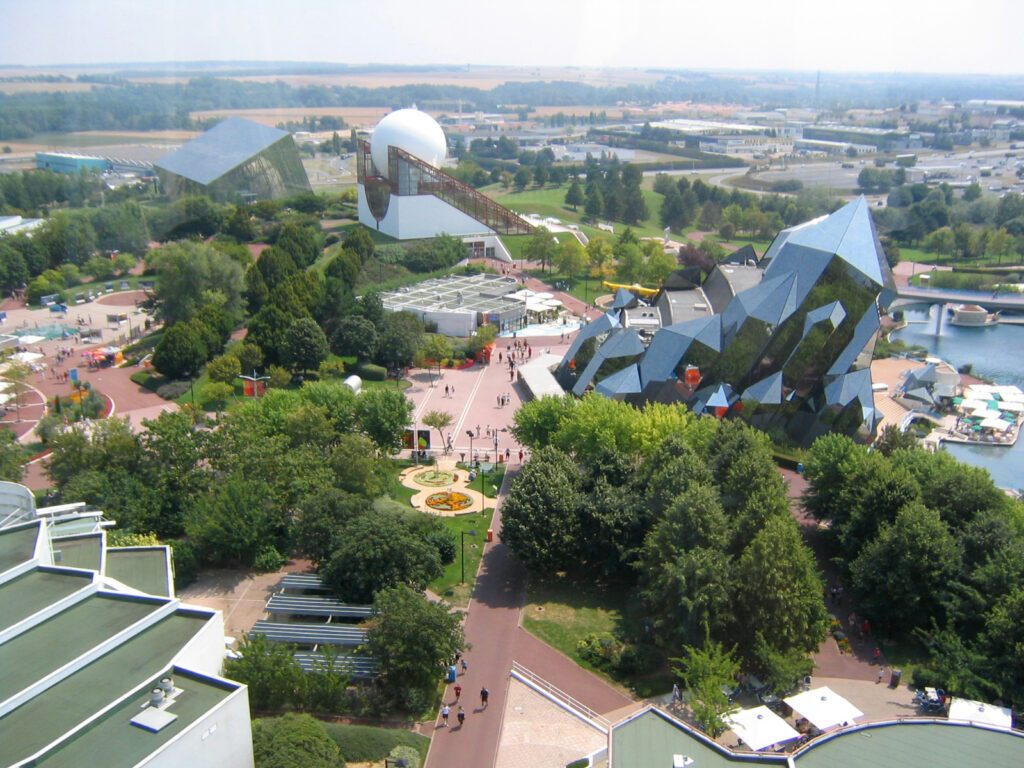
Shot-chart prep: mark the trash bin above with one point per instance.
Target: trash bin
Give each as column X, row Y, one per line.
column 452, row 673
column 894, row 679
column 490, row 534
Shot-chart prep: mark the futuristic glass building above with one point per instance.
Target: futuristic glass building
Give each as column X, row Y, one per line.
column 791, row 351
column 235, row 160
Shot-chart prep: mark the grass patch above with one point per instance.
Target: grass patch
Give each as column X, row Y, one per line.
column 550, row 201
column 563, row 611
column 492, row 477
column 367, row 744
column 448, row 584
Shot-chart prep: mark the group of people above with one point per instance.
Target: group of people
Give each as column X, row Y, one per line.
column 449, row 390
column 460, row 715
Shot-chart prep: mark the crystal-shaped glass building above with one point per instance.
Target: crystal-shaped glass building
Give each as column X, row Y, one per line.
column 784, row 342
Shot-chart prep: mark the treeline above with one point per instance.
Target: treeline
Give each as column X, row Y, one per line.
column 666, row 146
column 933, row 553
column 151, row 106
column 690, row 513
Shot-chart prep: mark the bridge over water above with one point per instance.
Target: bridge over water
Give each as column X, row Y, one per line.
column 908, row 296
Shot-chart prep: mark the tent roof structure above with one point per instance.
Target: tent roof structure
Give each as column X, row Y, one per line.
column 980, row 713
column 825, row 708
column 760, row 727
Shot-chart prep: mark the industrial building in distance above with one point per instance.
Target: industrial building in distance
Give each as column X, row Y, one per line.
column 235, row 161
column 100, row 663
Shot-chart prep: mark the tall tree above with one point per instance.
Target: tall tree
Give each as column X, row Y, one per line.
column 574, row 195
column 305, row 345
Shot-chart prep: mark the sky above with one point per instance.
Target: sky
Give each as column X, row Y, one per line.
column 949, row 36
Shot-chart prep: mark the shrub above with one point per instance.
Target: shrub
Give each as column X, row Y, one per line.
column 49, row 426
column 294, row 740
column 279, row 377
column 269, row 560
column 600, row 649
column 372, row 372
column 172, row 390
column 406, row 756
column 332, row 369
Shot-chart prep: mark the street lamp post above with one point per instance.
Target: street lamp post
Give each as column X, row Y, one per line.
column 463, row 536
column 469, row 433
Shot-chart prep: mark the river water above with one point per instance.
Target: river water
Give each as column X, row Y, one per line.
column 996, row 353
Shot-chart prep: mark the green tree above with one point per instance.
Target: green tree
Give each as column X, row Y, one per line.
column 249, row 355
column 294, row 741
column 522, row 178
column 217, row 394
column 270, row 671
column 193, row 275
column 630, row 266
column 541, row 516
column 377, row 550
column 305, row 345
column 571, row 258
column 354, row 336
column 415, row 641
column 359, row 241
column 574, row 195
column 320, row 518
column 659, row 266
column 181, row 352
column 706, row 673
column 594, row 203
column 235, row 521
column 400, row 337
column 541, row 247
column 267, row 331
column 224, row 369
column 778, row 586
column 12, row 458
column 900, row 578
column 436, row 349
column 439, row 420
column 685, row 574
column 383, row 415
column 600, row 252
column 537, row 422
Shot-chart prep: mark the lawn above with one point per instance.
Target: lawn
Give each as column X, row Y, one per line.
column 550, row 201
column 448, row 585
column 563, row 611
column 924, row 257
column 366, row 744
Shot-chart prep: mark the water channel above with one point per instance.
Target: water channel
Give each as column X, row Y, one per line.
column 996, row 353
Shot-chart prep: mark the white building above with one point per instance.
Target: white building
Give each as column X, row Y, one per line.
column 100, row 663
column 403, row 193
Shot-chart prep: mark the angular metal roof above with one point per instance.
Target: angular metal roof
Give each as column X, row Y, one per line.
column 222, row 148
column 624, row 382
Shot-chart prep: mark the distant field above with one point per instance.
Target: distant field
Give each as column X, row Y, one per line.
column 43, row 142
column 21, row 87
column 357, row 116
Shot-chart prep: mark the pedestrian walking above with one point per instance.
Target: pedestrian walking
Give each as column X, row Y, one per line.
column 484, row 695
column 444, row 716
column 878, row 655
column 446, row 390
column 465, row 666
column 508, row 455
column 458, row 692
column 675, row 693
column 881, row 674
column 453, row 391
column 462, row 716
column 520, row 455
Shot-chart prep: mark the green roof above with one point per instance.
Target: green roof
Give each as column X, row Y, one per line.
column 652, row 738
column 649, row 740
column 36, row 652
column 143, row 568
column 17, row 545
column 32, row 591
column 52, row 713
column 85, row 551
column 913, row 745
column 112, row 741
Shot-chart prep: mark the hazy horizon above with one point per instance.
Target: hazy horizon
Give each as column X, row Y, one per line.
column 869, row 37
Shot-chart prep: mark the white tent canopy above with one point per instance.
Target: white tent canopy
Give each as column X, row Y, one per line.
column 980, row 712
column 986, row 413
column 974, row 405
column 1009, row 405
column 997, row 424
column 824, row 708
column 760, row 727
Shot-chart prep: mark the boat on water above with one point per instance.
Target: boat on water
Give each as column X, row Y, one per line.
column 973, row 315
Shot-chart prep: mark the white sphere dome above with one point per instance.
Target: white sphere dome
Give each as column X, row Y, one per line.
column 411, row 130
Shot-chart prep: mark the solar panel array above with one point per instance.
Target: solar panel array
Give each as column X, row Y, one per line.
column 309, row 634
column 297, row 605
column 357, row 667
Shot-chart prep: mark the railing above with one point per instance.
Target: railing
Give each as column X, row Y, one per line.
column 559, row 696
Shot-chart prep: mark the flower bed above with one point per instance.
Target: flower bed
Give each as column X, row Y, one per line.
column 449, row 501
column 435, row 477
